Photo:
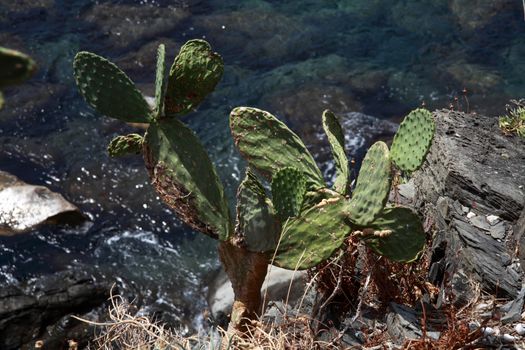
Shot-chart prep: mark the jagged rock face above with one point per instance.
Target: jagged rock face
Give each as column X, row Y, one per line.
column 472, row 174
column 40, row 309
column 23, row 206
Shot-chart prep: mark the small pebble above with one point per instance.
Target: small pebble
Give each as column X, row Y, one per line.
column 488, row 331
column 507, row 338
column 360, row 336
column 472, row 326
column 520, row 328
column 492, row 219
column 482, row 306
column 470, row 215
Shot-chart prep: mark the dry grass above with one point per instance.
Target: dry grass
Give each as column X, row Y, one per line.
column 126, row 331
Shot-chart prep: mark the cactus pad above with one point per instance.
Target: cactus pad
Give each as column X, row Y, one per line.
column 124, row 145
column 406, row 239
column 193, row 75
column 16, row 67
column 373, row 186
column 268, row 145
column 336, row 137
column 413, row 139
column 108, row 89
column 160, row 82
column 257, row 225
column 288, row 190
column 313, row 237
column 185, row 178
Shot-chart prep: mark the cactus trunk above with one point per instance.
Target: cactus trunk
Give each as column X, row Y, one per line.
column 247, row 271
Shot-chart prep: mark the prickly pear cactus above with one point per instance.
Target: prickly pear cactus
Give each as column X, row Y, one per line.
column 178, row 164
column 268, row 145
column 396, row 233
column 257, row 225
column 124, row 145
column 108, row 89
column 312, row 238
column 185, row 178
column 335, row 135
column 413, row 139
column 194, row 74
column 373, row 186
column 15, row 68
column 288, row 190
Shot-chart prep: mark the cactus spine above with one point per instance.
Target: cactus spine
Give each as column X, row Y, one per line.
column 304, row 222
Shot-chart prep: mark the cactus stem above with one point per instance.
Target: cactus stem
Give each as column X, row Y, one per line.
column 247, row 271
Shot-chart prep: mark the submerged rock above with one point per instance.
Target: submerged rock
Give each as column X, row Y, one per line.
column 24, row 206
column 126, row 25
column 472, row 15
column 245, row 32
column 474, row 77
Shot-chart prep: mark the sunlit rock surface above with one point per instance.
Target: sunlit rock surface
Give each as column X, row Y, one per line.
column 24, row 206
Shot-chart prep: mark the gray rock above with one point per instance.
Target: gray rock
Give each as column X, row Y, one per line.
column 24, row 206
column 28, row 312
column 480, row 222
column 493, row 219
column 498, row 231
column 276, row 287
column 469, row 170
column 405, row 323
column 513, row 309
column 404, row 195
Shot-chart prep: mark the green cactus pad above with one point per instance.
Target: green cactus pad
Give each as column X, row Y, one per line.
column 160, row 82
column 336, row 137
column 406, row 240
column 288, row 191
column 257, row 224
column 16, row 67
column 313, row 237
column 108, row 89
column 124, row 145
column 193, row 75
column 268, row 145
column 185, row 178
column 373, row 186
column 413, row 139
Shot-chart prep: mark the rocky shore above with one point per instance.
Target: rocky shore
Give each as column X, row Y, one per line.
column 471, row 191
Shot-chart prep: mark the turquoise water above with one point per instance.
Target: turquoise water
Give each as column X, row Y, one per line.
column 293, row 58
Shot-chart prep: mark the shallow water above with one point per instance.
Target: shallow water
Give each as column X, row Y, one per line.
column 293, row 58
